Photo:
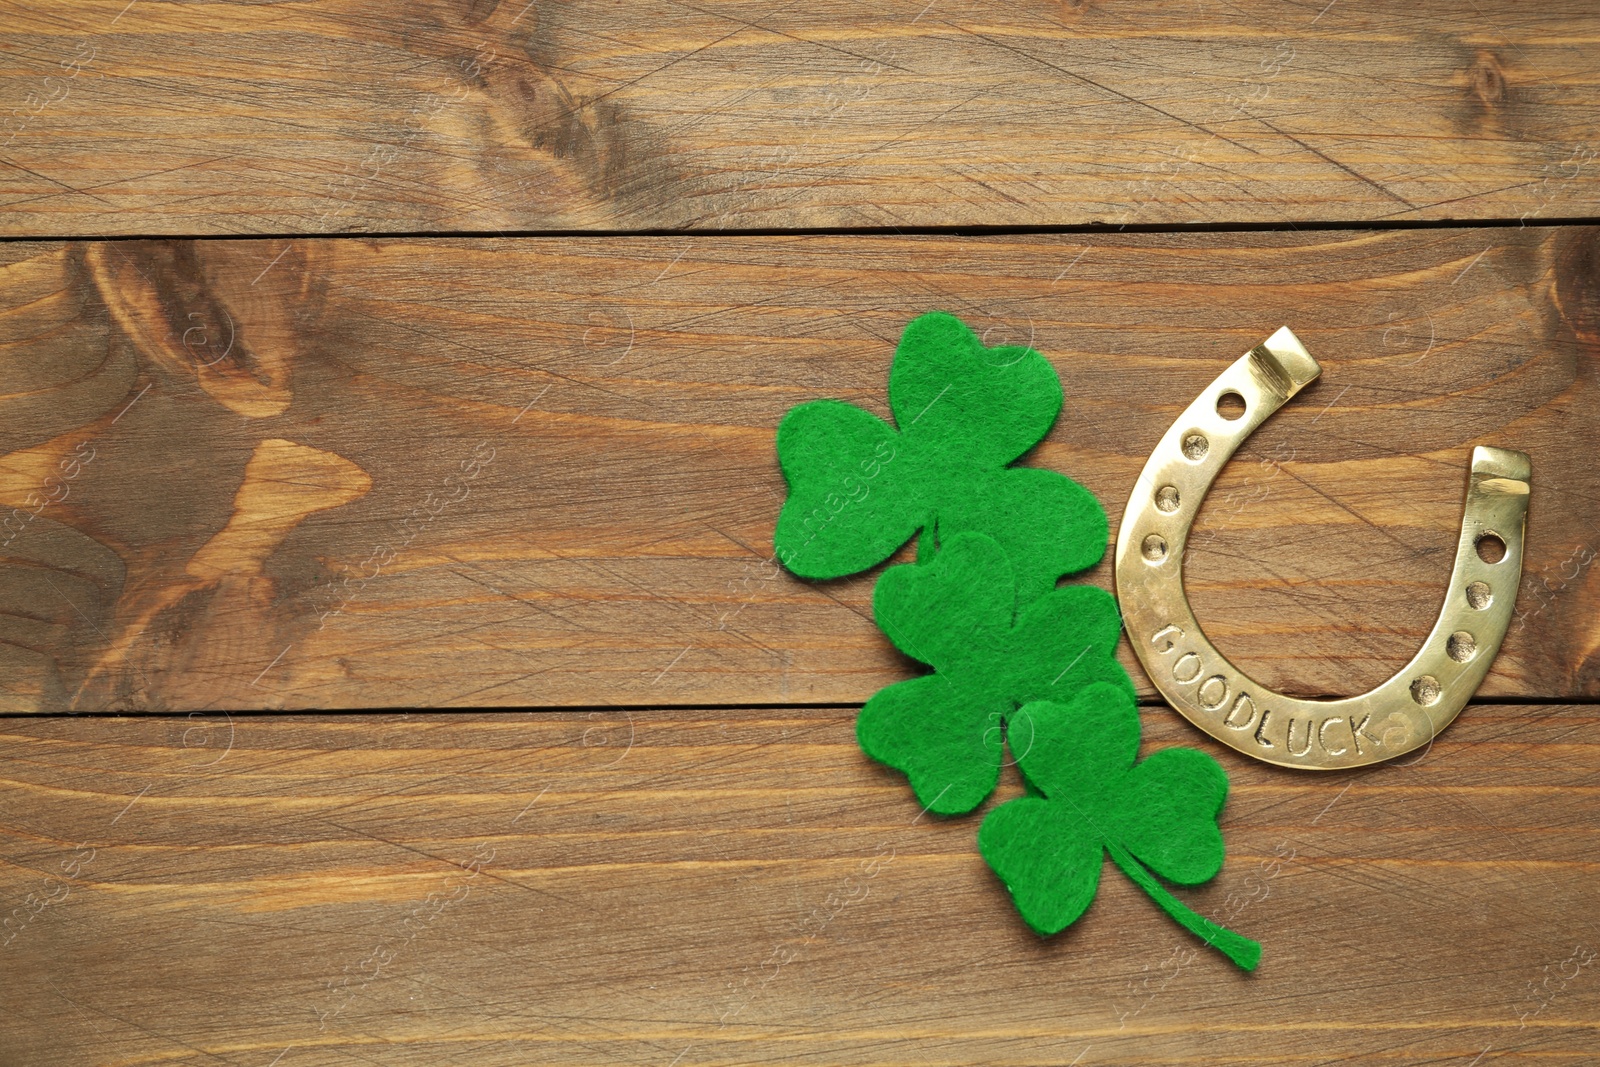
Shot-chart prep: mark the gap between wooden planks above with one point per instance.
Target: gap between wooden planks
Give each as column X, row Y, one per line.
column 540, row 472
column 746, row 887
column 362, row 115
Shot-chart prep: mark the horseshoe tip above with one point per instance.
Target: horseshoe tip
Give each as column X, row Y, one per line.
column 1503, row 469
column 1290, row 360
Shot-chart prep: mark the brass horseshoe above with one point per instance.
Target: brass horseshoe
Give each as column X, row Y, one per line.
column 1402, row 714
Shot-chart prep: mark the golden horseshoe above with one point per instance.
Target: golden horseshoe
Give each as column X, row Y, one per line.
column 1402, row 714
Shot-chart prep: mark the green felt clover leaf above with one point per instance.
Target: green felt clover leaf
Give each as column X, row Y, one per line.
column 860, row 488
column 1090, row 798
column 958, row 614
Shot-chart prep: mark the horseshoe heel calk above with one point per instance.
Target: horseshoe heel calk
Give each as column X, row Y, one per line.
column 1401, row 715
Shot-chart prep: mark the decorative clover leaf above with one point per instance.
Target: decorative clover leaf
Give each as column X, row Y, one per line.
column 1015, row 660
column 859, row 488
column 1159, row 815
column 958, row 614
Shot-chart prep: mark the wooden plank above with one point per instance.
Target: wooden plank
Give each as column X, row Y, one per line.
column 360, row 115
column 728, row 887
column 541, row 472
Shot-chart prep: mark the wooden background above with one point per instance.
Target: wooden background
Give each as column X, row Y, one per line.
column 388, row 396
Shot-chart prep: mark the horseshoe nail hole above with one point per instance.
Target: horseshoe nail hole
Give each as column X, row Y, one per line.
column 1195, row 446
column 1479, row 595
column 1491, row 548
column 1426, row 690
column 1155, row 548
column 1462, row 646
column 1167, row 498
column 1230, row 405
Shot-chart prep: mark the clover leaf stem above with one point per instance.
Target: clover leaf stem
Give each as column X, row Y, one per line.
column 1238, row 948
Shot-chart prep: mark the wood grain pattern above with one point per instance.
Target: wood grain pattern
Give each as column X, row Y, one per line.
column 742, row 887
column 435, row 115
column 540, row 472
column 306, row 471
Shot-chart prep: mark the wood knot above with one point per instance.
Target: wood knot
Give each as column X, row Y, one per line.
column 1486, row 80
column 228, row 314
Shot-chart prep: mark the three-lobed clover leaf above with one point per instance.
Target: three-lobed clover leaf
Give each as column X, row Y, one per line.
column 958, row 614
column 860, row 488
column 1090, row 797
